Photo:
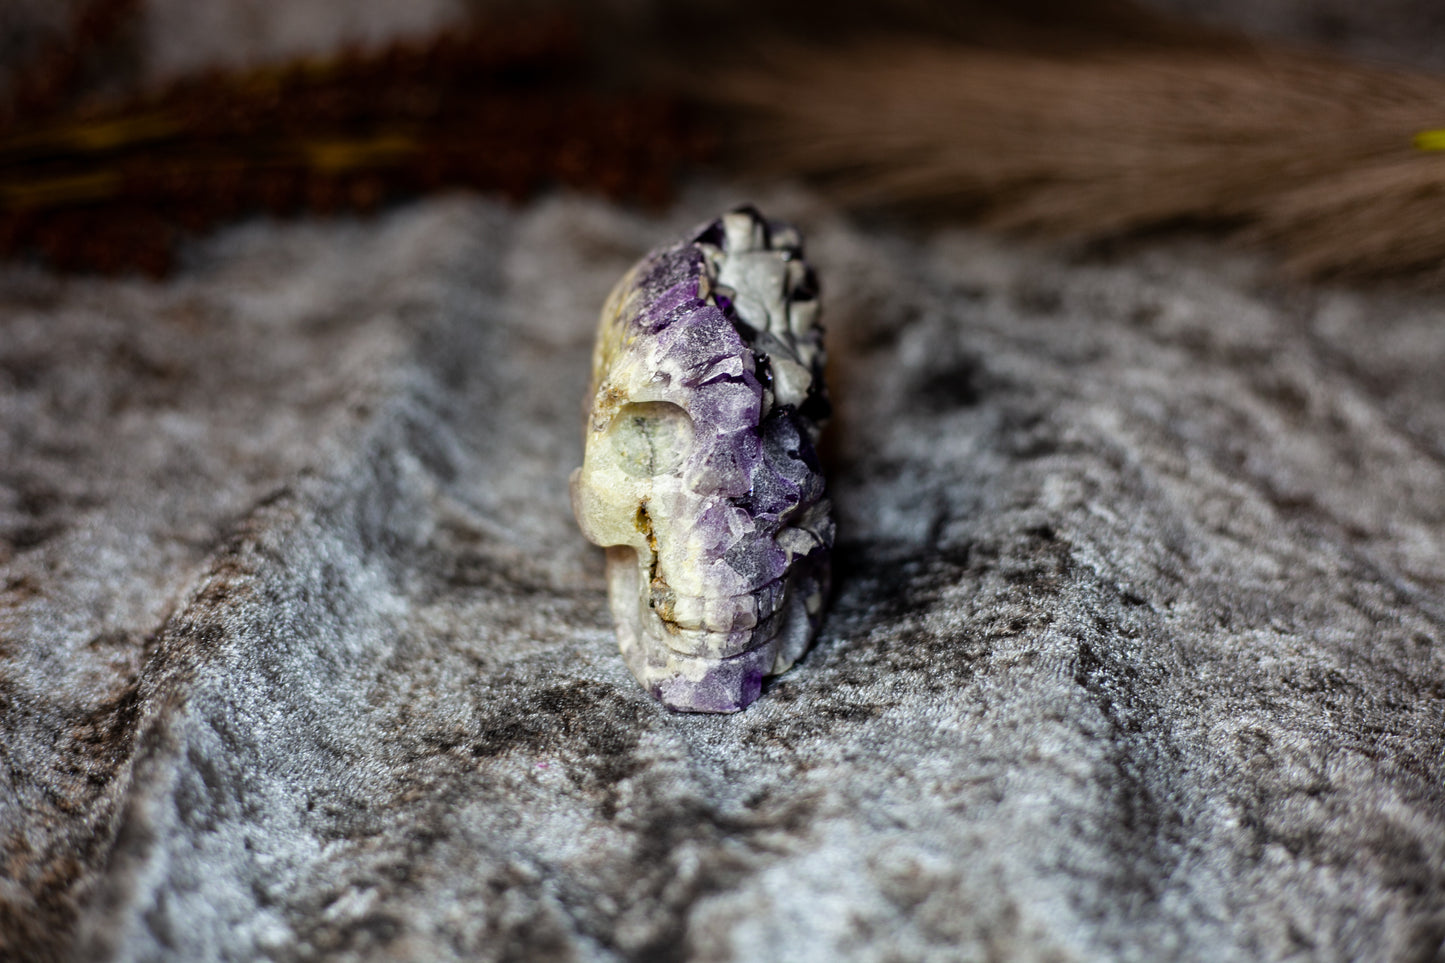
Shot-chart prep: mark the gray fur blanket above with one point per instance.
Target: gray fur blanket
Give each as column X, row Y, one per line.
column 1136, row 649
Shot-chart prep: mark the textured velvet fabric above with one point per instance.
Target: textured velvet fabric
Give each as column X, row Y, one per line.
column 1136, row 648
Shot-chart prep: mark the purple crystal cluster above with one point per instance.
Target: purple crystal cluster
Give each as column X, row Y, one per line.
column 700, row 474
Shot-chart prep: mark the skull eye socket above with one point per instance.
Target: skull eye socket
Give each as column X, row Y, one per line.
column 650, row 437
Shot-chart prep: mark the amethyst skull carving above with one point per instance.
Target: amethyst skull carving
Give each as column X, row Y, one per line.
column 700, row 475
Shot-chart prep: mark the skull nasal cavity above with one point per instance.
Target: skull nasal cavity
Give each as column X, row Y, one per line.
column 650, row 437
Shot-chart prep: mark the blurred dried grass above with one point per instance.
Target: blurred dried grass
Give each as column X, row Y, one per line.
column 1310, row 152
column 1085, row 120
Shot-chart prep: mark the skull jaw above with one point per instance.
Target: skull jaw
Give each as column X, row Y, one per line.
column 694, row 683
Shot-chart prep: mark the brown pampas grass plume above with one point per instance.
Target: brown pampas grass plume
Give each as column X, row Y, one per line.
column 1315, row 154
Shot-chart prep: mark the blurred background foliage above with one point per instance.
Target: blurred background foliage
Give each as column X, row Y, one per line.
column 126, row 125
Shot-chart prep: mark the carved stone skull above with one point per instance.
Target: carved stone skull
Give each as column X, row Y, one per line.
column 700, row 475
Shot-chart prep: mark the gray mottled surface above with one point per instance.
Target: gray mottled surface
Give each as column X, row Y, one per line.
column 1137, row 649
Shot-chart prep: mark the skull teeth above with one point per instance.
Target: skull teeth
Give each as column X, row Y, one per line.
column 727, row 626
column 722, row 614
